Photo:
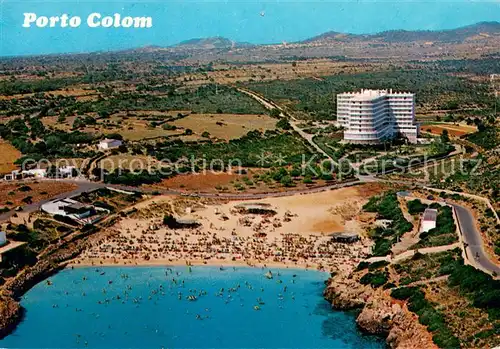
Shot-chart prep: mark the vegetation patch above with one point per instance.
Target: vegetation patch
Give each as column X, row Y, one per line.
column 428, row 316
column 387, row 207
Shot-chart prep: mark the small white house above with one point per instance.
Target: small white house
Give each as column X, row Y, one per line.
column 3, row 238
column 37, row 173
column 428, row 220
column 16, row 174
column 106, row 144
column 66, row 171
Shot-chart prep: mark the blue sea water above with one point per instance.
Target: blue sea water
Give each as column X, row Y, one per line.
column 148, row 307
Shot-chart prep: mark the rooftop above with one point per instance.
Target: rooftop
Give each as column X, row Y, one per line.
column 430, row 214
column 57, row 206
column 368, row 94
column 107, row 140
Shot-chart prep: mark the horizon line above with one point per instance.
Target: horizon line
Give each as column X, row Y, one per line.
column 6, row 57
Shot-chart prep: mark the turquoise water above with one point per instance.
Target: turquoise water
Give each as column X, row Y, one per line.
column 148, row 308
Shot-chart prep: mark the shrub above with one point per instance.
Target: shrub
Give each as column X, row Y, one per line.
column 416, row 206
column 375, row 279
column 377, row 265
column 362, row 265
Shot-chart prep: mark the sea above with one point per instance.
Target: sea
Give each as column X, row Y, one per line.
column 183, row 307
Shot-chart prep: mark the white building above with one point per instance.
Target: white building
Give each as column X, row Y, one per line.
column 37, row 173
column 371, row 116
column 428, row 220
column 106, row 144
column 66, row 171
column 81, row 213
column 3, row 238
column 34, row 173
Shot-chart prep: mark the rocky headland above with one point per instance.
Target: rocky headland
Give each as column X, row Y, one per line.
column 379, row 313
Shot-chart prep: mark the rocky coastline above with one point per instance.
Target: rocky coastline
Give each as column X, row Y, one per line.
column 53, row 260
column 379, row 314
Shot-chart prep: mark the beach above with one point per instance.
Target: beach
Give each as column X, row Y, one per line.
column 287, row 232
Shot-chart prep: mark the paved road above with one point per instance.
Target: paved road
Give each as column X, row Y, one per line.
column 472, row 237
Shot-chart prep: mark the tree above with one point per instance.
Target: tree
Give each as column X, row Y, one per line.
column 283, row 124
column 205, row 134
column 188, row 132
column 169, row 127
column 445, row 138
column 275, row 113
column 286, row 181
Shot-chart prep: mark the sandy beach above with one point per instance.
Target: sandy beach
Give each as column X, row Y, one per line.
column 293, row 232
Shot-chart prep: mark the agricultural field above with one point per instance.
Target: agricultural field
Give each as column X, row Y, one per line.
column 150, row 125
column 131, row 128
column 9, row 155
column 456, row 130
column 225, row 126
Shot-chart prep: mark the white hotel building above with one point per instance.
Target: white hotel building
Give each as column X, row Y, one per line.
column 370, row 116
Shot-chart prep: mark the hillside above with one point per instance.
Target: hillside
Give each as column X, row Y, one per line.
column 457, row 35
column 211, row 43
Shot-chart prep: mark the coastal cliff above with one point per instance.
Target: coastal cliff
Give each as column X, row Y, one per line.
column 379, row 313
column 10, row 315
column 11, row 312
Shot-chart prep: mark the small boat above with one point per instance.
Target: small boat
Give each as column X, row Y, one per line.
column 269, row 275
column 256, row 307
column 49, row 283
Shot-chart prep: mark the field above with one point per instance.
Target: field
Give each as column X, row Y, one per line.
column 9, row 154
column 19, row 194
column 223, row 182
column 314, row 68
column 456, row 130
column 131, row 128
column 226, row 126
column 148, row 124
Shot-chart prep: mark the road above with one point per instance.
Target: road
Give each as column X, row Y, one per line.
column 472, row 237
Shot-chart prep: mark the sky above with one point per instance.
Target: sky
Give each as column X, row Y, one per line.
column 254, row 21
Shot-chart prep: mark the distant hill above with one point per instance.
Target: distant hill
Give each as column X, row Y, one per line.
column 393, row 36
column 211, row 43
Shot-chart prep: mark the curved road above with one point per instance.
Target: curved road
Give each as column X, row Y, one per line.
column 473, row 241
column 472, row 237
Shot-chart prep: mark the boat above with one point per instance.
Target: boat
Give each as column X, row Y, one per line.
column 269, row 275
column 256, row 307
